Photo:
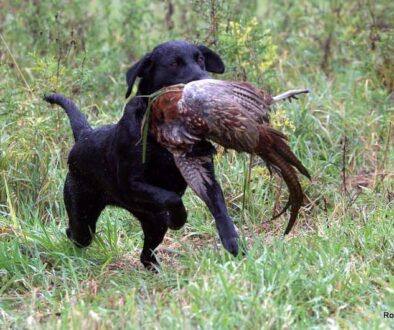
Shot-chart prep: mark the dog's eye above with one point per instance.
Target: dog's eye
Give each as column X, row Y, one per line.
column 200, row 60
column 176, row 63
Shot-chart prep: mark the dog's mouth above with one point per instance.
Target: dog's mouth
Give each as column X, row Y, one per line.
column 186, row 81
column 202, row 77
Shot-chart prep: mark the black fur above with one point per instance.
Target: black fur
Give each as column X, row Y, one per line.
column 77, row 119
column 105, row 165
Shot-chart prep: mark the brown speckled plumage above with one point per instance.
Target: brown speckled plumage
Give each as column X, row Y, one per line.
column 232, row 114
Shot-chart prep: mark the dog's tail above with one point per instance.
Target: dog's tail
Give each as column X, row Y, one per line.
column 77, row 119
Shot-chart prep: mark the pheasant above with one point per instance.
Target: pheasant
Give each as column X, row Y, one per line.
column 232, row 114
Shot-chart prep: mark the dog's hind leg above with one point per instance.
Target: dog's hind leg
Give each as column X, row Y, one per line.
column 84, row 205
column 154, row 226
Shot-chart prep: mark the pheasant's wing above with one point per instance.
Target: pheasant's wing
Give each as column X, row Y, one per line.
column 175, row 136
column 227, row 121
column 196, row 172
column 255, row 101
column 170, row 126
column 224, row 124
column 227, row 113
column 210, row 93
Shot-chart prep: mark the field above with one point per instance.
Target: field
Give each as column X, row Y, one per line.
column 336, row 268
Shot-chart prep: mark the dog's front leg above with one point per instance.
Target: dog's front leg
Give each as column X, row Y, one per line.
column 154, row 228
column 198, row 171
column 160, row 200
column 224, row 224
column 139, row 195
column 132, row 183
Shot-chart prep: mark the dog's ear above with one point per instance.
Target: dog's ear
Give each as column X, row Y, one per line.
column 139, row 69
column 213, row 62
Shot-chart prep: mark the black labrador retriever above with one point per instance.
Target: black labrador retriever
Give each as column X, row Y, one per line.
column 105, row 164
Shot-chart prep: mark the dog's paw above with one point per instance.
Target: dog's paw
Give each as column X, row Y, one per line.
column 177, row 217
column 171, row 201
column 81, row 243
column 231, row 244
column 150, row 262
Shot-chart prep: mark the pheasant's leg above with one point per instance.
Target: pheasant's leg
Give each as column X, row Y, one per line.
column 291, row 94
column 198, row 171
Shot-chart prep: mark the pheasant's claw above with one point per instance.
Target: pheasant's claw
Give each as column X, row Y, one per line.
column 293, row 97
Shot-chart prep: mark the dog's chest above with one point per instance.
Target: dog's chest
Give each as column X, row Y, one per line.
column 161, row 171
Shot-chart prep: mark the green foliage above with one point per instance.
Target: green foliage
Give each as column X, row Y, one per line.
column 249, row 47
column 335, row 272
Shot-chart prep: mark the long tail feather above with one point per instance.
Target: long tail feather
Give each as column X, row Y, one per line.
column 296, row 194
column 282, row 148
column 285, row 208
column 274, row 151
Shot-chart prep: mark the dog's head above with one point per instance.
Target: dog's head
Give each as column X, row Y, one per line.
column 171, row 63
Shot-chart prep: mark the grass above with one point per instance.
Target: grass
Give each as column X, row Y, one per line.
column 339, row 274
column 334, row 271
